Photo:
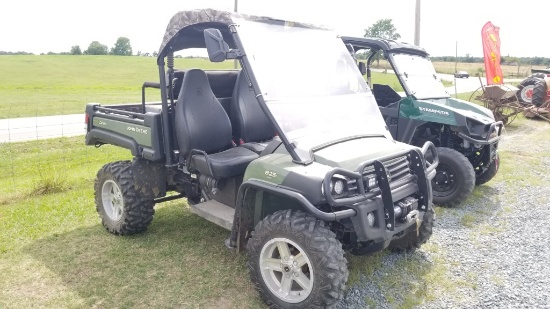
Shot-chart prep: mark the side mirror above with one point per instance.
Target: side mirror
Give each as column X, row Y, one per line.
column 362, row 67
column 215, row 45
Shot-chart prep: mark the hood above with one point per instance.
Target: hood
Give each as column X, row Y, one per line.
column 465, row 108
column 349, row 154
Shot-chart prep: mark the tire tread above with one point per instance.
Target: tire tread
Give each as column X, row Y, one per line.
column 331, row 272
column 138, row 213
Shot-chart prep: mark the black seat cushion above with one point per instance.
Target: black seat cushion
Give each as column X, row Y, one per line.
column 200, row 121
column 247, row 118
column 224, row 164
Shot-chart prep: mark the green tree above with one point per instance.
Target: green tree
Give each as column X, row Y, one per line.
column 96, row 48
column 382, row 29
column 122, row 47
column 75, row 50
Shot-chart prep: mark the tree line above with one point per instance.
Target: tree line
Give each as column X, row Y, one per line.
column 503, row 60
column 122, row 47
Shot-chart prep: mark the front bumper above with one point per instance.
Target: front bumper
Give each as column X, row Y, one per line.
column 495, row 130
column 382, row 202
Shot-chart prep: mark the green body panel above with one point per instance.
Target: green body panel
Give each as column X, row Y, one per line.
column 443, row 110
column 141, row 134
column 461, row 106
column 426, row 111
column 275, row 167
column 348, row 155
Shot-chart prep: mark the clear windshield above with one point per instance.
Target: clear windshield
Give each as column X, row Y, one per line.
column 419, row 75
column 310, row 83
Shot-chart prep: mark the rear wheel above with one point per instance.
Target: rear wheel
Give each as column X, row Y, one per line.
column 539, row 92
column 454, row 179
column 415, row 239
column 525, row 93
column 296, row 262
column 121, row 207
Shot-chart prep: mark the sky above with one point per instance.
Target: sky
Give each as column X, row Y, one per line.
column 40, row 26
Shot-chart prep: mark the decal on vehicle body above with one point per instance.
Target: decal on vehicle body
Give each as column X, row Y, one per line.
column 435, row 111
column 138, row 130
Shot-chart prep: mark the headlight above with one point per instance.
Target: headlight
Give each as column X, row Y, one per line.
column 371, row 183
column 338, row 187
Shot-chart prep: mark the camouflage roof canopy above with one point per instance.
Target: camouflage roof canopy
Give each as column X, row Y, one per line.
column 186, row 28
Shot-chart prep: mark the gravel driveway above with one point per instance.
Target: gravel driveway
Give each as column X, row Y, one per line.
column 491, row 252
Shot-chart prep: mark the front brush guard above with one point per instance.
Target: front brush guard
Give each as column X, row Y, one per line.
column 422, row 170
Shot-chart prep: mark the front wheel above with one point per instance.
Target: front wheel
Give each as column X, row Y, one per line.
column 120, row 205
column 454, row 180
column 296, row 262
column 415, row 239
column 488, row 173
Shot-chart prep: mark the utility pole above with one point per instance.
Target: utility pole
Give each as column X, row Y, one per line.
column 456, row 63
column 417, row 24
column 235, row 62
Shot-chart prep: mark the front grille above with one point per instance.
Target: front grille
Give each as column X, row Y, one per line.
column 352, row 187
column 397, row 169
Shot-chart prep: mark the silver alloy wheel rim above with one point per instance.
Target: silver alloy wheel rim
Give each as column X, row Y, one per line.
column 286, row 270
column 113, row 203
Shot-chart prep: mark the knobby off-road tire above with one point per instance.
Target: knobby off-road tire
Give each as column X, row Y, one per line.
column 489, row 173
column 454, row 180
column 121, row 207
column 539, row 93
column 316, row 266
column 413, row 240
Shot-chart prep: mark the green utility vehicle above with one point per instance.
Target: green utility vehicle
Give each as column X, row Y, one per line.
column 293, row 158
column 466, row 134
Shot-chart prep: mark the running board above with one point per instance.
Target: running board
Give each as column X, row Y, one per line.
column 215, row 212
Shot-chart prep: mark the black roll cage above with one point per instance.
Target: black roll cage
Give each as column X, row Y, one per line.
column 298, row 156
column 388, row 47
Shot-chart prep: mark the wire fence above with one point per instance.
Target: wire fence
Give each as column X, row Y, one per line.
column 42, row 155
column 35, row 128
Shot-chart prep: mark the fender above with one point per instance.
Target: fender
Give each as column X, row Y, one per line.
column 244, row 218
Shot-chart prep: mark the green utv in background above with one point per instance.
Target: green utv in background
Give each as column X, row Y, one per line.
column 277, row 153
column 466, row 134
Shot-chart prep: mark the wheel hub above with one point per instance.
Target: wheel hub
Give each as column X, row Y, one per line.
column 113, row 202
column 286, row 270
column 444, row 179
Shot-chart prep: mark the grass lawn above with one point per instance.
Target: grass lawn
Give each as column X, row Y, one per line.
column 56, row 85
column 55, row 253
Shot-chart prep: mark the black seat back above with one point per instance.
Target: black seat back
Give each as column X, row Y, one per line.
column 247, row 118
column 385, row 95
column 200, row 121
